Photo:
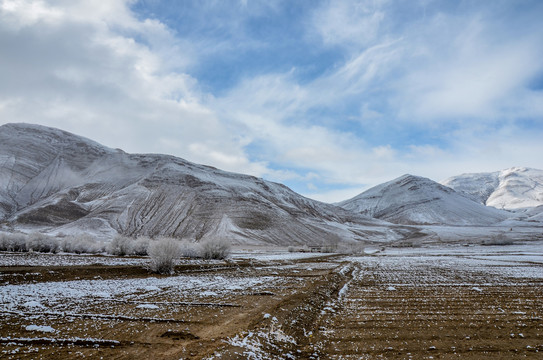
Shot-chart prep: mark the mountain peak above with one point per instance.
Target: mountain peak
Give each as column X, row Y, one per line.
column 41, row 133
column 412, row 178
column 513, row 188
column 417, row 200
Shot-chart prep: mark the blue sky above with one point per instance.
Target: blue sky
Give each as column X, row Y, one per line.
column 327, row 97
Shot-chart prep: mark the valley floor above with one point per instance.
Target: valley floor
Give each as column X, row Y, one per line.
column 414, row 303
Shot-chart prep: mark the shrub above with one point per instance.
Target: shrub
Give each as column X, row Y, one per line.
column 215, row 249
column 163, row 252
column 140, row 246
column 329, row 248
column 4, row 241
column 120, row 245
column 18, row 242
column 41, row 243
column 123, row 245
column 190, row 249
column 13, row 242
column 82, row 244
column 499, row 239
column 351, row 249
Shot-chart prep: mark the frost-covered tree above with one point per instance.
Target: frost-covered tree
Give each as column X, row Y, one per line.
column 215, row 249
column 190, row 249
column 41, row 243
column 163, row 253
column 82, row 244
column 140, row 246
column 13, row 242
column 120, row 245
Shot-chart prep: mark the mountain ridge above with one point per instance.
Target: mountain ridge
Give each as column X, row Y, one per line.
column 515, row 188
column 58, row 182
column 62, row 182
column 416, row 200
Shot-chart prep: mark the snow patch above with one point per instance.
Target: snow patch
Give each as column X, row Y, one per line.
column 147, row 306
column 208, row 293
column 151, row 288
column 41, row 328
column 33, row 304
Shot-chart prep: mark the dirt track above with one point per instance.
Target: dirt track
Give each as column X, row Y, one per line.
column 387, row 307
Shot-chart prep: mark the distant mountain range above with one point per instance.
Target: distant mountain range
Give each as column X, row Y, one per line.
column 58, row 182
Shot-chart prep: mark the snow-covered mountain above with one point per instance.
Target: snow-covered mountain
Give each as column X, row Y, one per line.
column 512, row 189
column 53, row 179
column 416, row 200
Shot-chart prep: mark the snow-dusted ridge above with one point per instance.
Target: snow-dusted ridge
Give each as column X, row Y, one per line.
column 516, row 188
column 58, row 182
column 416, row 200
column 51, row 179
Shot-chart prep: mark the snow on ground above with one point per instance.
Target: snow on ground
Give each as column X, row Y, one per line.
column 511, row 259
column 45, row 259
column 147, row 306
column 40, row 328
column 531, row 248
column 474, row 266
column 517, row 232
column 276, row 255
column 254, row 343
column 482, row 265
column 74, row 296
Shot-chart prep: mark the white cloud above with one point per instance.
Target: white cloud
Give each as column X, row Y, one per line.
column 28, row 13
column 333, row 196
column 475, row 75
column 349, row 23
column 77, row 65
column 384, row 152
column 233, row 162
column 433, row 65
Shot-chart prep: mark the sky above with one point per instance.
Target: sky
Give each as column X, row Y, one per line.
column 327, row 97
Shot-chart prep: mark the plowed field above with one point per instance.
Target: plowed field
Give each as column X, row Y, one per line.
column 391, row 305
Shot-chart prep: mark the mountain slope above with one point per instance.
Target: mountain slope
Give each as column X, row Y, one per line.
column 512, row 189
column 56, row 180
column 416, row 200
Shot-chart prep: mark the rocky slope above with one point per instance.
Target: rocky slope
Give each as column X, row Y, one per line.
column 512, row 189
column 416, row 200
column 51, row 179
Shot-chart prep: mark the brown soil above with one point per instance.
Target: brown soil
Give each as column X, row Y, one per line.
column 308, row 319
column 33, row 274
column 501, row 322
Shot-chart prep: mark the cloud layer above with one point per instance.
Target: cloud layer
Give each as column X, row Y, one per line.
column 329, row 97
